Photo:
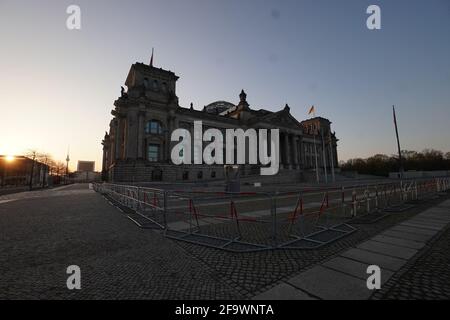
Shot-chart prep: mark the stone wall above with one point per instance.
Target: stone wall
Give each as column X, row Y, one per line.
column 141, row 171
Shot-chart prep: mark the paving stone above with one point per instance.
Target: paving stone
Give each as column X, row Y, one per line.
column 178, row 225
column 420, row 225
column 413, row 230
column 406, row 235
column 369, row 257
column 41, row 237
column 427, row 221
column 118, row 260
column 437, row 219
column 329, row 284
column 439, row 212
column 388, row 249
column 426, row 278
column 355, row 268
column 212, row 220
column 283, row 291
column 259, row 213
column 399, row 242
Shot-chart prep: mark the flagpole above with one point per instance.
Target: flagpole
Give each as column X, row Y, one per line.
column 151, row 59
column 398, row 144
column 323, row 156
column 315, row 149
column 331, row 156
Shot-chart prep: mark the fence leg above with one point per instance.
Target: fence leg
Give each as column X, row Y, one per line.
column 274, row 218
column 415, row 191
column 376, row 199
column 165, row 209
column 368, row 201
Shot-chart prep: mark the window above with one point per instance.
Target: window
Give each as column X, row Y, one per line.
column 155, row 85
column 213, row 174
column 146, row 83
column 156, row 175
column 186, row 175
column 200, row 175
column 153, row 127
column 164, row 87
column 153, row 152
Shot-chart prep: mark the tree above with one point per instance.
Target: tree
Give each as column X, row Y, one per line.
column 32, row 154
column 44, row 158
column 381, row 164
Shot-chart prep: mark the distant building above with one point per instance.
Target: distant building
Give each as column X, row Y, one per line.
column 18, row 170
column 85, row 172
column 84, row 166
column 137, row 146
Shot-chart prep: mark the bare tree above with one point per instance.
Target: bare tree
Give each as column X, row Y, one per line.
column 32, row 154
column 43, row 158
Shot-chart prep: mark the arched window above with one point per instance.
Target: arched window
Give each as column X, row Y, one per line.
column 146, row 83
column 164, row 87
column 153, row 127
column 155, row 85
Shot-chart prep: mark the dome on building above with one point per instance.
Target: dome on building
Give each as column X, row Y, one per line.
column 218, row 107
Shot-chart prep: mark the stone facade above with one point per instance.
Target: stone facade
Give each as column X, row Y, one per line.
column 137, row 147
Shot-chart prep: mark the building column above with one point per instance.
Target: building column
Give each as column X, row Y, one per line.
column 104, row 157
column 286, row 150
column 295, row 145
column 118, row 138
column 168, row 144
column 140, row 139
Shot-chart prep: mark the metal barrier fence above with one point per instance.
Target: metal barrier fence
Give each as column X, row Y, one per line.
column 252, row 221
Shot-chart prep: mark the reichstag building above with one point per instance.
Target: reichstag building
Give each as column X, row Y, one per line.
column 137, row 146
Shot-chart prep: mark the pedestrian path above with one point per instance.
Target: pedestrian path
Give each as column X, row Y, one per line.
column 345, row 276
column 72, row 189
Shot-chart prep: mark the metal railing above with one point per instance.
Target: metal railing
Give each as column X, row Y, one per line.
column 251, row 221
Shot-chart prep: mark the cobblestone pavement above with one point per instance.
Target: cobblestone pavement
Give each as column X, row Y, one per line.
column 40, row 235
column 255, row 273
column 426, row 277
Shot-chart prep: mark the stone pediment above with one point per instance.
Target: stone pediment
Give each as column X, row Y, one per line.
column 282, row 119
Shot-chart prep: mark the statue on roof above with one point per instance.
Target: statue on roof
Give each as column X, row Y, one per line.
column 123, row 94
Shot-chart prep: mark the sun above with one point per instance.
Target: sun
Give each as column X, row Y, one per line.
column 10, row 158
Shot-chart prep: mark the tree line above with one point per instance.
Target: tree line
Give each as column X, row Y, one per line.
column 381, row 164
column 55, row 167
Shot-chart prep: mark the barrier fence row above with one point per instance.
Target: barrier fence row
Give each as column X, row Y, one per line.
column 251, row 221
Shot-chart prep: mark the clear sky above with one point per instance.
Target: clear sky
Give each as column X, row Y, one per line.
column 57, row 86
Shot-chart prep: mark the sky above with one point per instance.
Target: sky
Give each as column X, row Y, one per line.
column 57, row 86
